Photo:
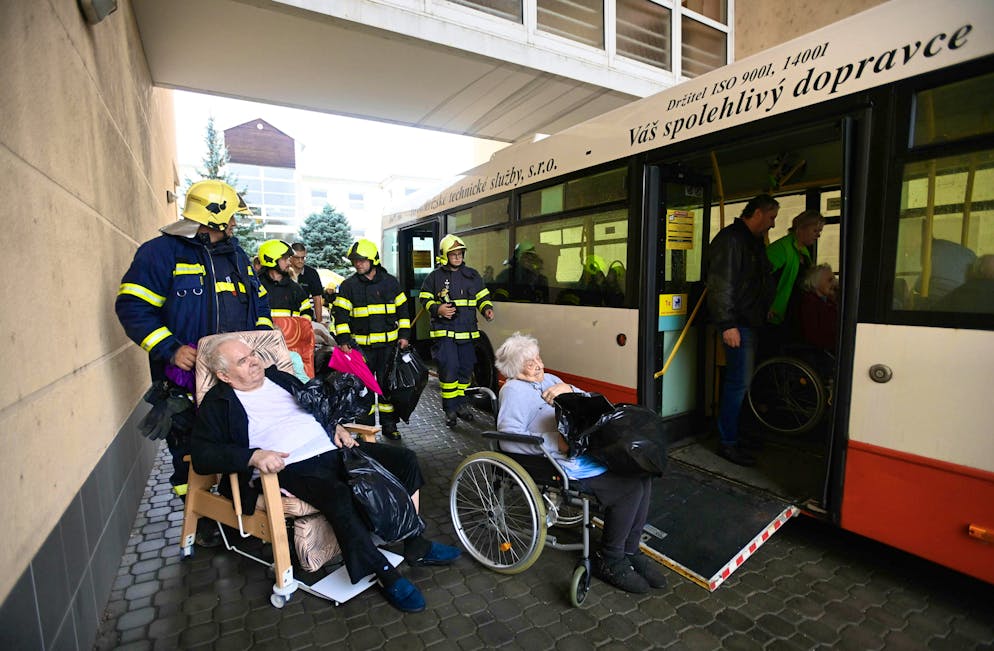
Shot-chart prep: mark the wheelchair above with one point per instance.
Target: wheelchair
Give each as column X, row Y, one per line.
column 789, row 393
column 502, row 505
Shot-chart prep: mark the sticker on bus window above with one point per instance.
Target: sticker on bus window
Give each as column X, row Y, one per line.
column 679, row 229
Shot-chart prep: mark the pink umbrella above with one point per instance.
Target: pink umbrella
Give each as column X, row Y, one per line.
column 354, row 363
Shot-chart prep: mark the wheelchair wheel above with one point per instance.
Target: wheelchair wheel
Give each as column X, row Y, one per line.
column 497, row 512
column 579, row 585
column 786, row 395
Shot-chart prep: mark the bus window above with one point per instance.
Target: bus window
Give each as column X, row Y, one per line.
column 830, row 242
column 945, row 240
column 486, row 253
column 585, row 192
column 422, row 258
column 484, row 214
column 954, row 111
column 584, row 259
column 389, row 254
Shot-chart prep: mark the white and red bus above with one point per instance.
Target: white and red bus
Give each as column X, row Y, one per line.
column 885, row 123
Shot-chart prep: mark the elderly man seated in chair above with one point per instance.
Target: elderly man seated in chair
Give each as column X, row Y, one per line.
column 250, row 421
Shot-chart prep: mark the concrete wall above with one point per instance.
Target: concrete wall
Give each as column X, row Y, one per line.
column 87, row 149
column 762, row 24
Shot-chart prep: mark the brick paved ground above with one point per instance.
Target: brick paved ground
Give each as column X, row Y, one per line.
column 811, row 586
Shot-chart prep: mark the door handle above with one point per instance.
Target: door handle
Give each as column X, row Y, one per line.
column 881, row 373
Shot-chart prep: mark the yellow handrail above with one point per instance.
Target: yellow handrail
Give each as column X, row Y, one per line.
column 683, row 334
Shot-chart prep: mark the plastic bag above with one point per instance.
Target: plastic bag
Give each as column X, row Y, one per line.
column 631, row 440
column 334, row 398
column 577, row 414
column 627, row 439
column 383, row 501
column 407, row 377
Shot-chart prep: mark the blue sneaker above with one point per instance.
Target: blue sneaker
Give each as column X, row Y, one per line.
column 437, row 554
column 403, row 596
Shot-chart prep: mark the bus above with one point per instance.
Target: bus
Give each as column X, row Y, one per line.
column 594, row 240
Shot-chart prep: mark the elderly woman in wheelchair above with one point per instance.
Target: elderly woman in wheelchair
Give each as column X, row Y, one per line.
column 250, row 421
column 526, row 422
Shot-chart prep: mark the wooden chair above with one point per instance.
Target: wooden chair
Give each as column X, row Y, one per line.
column 268, row 523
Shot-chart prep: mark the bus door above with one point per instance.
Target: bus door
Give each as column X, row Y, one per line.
column 701, row 525
column 416, row 247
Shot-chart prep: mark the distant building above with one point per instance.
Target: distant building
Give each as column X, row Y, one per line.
column 264, row 160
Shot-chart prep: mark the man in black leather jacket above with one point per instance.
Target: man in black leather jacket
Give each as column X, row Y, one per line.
column 740, row 291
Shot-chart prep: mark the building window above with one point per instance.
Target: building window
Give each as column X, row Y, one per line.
column 643, row 32
column 356, row 201
column 578, row 20
column 704, row 48
column 507, row 9
column 716, row 10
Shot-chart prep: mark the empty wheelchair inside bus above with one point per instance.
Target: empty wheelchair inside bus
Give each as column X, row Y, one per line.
column 502, row 505
column 790, row 392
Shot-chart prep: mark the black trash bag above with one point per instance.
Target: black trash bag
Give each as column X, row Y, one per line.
column 383, row 502
column 630, row 440
column 577, row 414
column 334, row 398
column 407, row 377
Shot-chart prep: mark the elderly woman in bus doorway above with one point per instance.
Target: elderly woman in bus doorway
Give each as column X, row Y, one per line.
column 526, row 408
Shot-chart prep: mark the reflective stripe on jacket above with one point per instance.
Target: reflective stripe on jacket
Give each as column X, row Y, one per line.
column 286, row 297
column 371, row 312
column 462, row 287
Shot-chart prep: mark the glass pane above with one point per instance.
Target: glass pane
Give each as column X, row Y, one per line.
column 389, row 253
column 713, row 9
column 242, row 169
column 579, row 20
column 643, row 32
column 597, row 189
column 509, row 9
column 582, row 261
column 955, row 111
column 542, row 202
column 287, row 187
column 704, row 48
column 945, row 241
column 485, row 214
column 277, row 172
column 279, row 199
column 423, row 252
column 486, row 253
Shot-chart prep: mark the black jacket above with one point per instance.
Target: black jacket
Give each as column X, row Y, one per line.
column 220, row 441
column 462, row 287
column 286, row 297
column 371, row 313
column 739, row 278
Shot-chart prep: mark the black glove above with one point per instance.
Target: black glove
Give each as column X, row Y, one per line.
column 171, row 408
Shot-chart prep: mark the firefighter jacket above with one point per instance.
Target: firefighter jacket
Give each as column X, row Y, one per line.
column 371, row 312
column 169, row 295
column 462, row 287
column 286, row 296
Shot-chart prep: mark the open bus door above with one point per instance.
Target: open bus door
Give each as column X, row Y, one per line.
column 700, row 524
column 416, row 246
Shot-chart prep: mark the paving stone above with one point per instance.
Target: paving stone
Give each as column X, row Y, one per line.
column 132, row 619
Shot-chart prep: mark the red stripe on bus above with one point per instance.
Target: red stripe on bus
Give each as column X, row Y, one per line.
column 613, row 392
column 923, row 506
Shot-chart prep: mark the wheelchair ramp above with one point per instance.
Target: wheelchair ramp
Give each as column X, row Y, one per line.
column 705, row 527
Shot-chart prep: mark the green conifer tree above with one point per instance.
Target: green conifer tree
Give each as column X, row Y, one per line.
column 327, row 236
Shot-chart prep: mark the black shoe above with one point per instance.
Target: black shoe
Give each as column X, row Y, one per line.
column 736, row 455
column 619, row 573
column 450, row 418
column 648, row 570
column 465, row 414
column 390, row 432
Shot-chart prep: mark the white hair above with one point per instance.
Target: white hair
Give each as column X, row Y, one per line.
column 517, row 349
column 814, row 274
column 211, row 352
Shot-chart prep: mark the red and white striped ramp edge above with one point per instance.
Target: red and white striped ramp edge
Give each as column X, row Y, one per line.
column 751, row 548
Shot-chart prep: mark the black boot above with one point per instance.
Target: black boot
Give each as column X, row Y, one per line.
column 648, row 570
column 619, row 573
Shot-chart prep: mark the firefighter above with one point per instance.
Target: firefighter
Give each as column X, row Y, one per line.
column 371, row 313
column 286, row 297
column 192, row 281
column 451, row 294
